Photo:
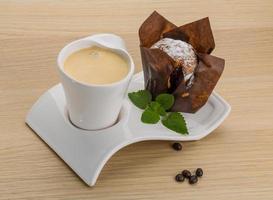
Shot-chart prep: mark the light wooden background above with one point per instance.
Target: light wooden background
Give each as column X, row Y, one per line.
column 237, row 158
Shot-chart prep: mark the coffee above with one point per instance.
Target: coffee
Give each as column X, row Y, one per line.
column 95, row 65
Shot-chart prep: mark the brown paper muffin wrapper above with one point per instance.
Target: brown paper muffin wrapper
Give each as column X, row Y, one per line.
column 159, row 69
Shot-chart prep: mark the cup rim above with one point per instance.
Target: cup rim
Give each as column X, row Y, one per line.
column 121, row 81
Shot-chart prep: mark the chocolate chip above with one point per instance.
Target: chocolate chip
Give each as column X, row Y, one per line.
column 186, row 173
column 193, row 179
column 179, row 178
column 175, row 79
column 177, row 146
column 199, row 172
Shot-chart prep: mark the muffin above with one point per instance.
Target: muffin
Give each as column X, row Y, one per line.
column 177, row 60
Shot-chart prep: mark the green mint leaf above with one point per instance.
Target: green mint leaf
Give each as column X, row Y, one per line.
column 155, row 106
column 149, row 116
column 176, row 122
column 165, row 100
column 141, row 98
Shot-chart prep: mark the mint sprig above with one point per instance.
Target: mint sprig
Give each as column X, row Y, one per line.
column 141, row 98
column 149, row 116
column 166, row 100
column 155, row 110
column 176, row 122
column 156, row 107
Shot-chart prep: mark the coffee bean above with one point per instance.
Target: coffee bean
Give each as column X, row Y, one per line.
column 199, row 172
column 179, row 178
column 193, row 179
column 186, row 173
column 177, row 146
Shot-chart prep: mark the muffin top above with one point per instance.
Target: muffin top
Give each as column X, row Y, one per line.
column 181, row 52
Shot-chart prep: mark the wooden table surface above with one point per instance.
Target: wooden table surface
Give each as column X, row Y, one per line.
column 237, row 158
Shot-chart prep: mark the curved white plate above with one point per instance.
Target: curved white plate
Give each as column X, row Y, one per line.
column 86, row 152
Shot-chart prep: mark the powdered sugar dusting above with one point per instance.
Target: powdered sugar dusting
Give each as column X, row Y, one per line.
column 182, row 52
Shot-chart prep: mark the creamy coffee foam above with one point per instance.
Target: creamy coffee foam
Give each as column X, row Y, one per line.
column 95, row 65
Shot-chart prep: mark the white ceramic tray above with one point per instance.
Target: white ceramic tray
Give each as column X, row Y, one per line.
column 86, row 152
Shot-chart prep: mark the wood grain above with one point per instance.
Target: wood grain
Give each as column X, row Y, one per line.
column 237, row 157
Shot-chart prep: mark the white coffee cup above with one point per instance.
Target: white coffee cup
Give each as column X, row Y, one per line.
column 92, row 106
